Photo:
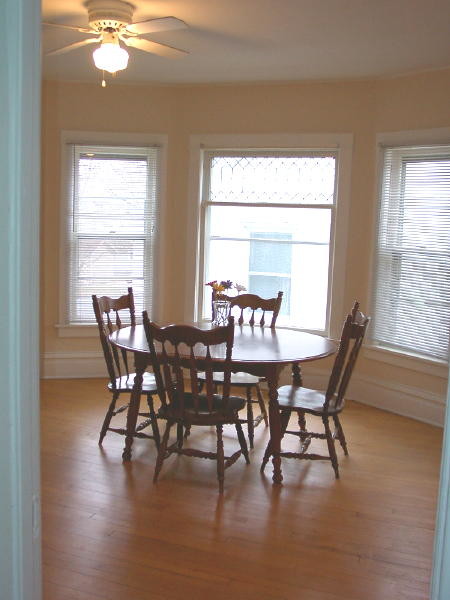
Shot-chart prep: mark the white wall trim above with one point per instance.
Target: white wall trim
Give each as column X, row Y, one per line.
column 418, row 137
column 20, row 522
column 413, row 402
column 110, row 139
column 438, row 135
column 405, row 400
column 341, row 141
column 73, row 365
column 440, row 579
column 436, row 368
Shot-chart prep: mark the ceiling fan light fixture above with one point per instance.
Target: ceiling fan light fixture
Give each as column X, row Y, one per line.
column 110, row 57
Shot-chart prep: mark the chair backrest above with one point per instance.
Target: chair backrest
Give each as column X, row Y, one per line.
column 254, row 303
column 107, row 313
column 179, row 352
column 353, row 331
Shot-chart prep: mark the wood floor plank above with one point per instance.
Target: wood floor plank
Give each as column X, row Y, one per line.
column 109, row 533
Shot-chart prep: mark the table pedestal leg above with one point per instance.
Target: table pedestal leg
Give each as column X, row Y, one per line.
column 274, row 423
column 296, row 375
column 135, row 401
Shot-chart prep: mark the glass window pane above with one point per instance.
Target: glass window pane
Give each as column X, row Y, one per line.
column 273, row 179
column 106, row 267
column 270, row 257
column 268, row 286
column 305, row 286
column 301, row 224
column 111, row 195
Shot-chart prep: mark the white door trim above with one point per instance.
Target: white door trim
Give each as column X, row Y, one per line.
column 20, row 538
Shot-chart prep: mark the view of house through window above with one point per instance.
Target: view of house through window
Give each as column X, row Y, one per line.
column 111, row 219
column 266, row 261
column 268, row 219
column 411, row 286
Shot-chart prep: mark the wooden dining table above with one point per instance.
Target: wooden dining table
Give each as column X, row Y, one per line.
column 260, row 351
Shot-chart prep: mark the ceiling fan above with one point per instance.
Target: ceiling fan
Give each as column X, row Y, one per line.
column 110, row 21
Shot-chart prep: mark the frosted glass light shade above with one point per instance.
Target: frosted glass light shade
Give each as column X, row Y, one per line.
column 110, row 57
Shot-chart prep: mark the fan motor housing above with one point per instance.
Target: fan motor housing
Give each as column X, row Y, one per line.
column 109, row 14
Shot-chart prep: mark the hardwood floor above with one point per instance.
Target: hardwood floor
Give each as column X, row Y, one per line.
column 110, row 534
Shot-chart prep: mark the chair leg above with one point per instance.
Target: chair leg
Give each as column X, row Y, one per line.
column 285, row 415
column 108, row 417
column 250, row 423
column 262, row 405
column 220, row 458
column 267, row 455
column 242, row 442
column 154, row 422
column 180, row 435
column 301, row 420
column 331, row 447
column 162, row 450
column 340, row 434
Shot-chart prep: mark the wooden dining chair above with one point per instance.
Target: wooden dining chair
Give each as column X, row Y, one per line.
column 177, row 347
column 254, row 310
column 326, row 405
column 108, row 315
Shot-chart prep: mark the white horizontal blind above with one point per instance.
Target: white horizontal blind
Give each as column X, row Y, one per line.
column 112, row 221
column 412, row 276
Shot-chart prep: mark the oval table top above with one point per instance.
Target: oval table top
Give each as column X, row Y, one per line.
column 252, row 345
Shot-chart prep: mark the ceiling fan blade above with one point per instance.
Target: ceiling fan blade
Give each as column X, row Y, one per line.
column 73, row 27
column 153, row 25
column 74, row 46
column 154, row 47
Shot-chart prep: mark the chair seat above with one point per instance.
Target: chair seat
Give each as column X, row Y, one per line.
column 311, row 401
column 234, row 404
column 126, row 382
column 243, row 379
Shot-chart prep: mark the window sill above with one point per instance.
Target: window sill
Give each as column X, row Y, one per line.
column 77, row 331
column 414, row 362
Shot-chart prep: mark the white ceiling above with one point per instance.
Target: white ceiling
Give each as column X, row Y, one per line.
column 266, row 40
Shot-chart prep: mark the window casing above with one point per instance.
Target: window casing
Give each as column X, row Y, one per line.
column 268, row 220
column 110, row 226
column 411, row 282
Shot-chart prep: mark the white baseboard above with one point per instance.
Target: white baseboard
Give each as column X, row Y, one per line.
column 397, row 398
column 400, row 399
column 408, row 401
column 73, row 365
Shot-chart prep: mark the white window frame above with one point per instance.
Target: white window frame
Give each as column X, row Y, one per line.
column 342, row 142
column 64, row 328
column 395, row 357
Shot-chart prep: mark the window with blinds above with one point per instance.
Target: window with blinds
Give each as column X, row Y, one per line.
column 411, row 295
column 112, row 218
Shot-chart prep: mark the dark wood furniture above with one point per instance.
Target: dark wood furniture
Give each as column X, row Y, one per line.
column 326, row 405
column 182, row 403
column 108, row 315
column 253, row 303
column 261, row 351
column 254, row 309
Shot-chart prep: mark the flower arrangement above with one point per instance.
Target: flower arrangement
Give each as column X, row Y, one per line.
column 221, row 286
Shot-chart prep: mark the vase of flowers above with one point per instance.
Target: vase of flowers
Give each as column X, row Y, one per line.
column 220, row 301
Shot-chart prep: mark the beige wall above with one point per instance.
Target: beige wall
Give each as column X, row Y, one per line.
column 362, row 108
